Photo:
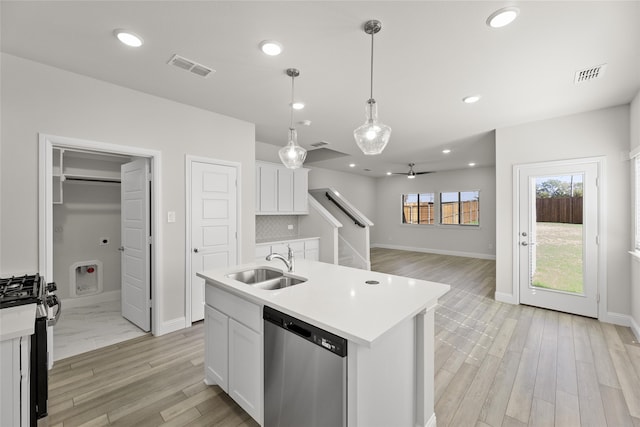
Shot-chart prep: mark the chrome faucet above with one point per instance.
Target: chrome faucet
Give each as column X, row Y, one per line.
column 289, row 261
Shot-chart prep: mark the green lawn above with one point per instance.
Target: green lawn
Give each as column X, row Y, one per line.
column 559, row 257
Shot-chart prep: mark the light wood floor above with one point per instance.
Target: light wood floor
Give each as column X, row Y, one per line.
column 496, row 365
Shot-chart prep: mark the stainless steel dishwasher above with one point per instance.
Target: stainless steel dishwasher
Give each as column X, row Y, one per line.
column 305, row 374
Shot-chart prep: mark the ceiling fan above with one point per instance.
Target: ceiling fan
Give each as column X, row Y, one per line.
column 411, row 174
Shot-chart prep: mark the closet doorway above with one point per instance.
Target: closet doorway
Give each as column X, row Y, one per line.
column 97, row 208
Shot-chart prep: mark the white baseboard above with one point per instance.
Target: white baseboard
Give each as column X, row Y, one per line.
column 171, row 326
column 435, row 251
column 432, row 421
column 635, row 328
column 616, row 318
column 506, row 298
column 91, row 299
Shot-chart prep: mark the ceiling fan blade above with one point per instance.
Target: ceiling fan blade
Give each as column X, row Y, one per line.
column 422, row 173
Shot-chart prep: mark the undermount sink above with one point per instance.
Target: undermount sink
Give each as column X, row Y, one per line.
column 266, row 278
column 257, row 275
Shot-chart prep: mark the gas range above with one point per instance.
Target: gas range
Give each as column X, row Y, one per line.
column 21, row 290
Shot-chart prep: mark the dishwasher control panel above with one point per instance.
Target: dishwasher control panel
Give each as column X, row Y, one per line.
column 306, row 331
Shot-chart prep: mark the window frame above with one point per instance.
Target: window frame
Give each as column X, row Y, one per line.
column 417, row 194
column 460, row 213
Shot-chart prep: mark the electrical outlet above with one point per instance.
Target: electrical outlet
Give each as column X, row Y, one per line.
column 103, row 241
column 290, row 227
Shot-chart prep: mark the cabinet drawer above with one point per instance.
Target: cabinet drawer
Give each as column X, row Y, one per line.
column 235, row 307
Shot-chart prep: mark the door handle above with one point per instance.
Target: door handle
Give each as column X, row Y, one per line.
column 121, row 248
column 195, row 250
column 524, row 244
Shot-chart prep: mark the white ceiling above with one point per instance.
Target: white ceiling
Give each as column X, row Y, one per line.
column 428, row 56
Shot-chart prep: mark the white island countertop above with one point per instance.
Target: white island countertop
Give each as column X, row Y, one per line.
column 337, row 299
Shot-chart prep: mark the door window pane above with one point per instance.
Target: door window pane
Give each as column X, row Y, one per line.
column 556, row 248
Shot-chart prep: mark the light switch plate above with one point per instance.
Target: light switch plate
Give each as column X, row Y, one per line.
column 290, row 227
column 171, row 216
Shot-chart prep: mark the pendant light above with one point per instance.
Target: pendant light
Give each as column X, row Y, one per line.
column 372, row 136
column 292, row 155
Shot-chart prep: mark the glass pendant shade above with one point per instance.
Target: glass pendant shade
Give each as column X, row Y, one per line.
column 292, row 155
column 372, row 137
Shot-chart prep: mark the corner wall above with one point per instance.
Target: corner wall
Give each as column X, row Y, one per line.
column 596, row 133
column 634, row 114
column 37, row 98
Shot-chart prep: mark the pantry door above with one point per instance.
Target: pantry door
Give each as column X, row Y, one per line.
column 136, row 243
column 558, row 235
column 213, row 234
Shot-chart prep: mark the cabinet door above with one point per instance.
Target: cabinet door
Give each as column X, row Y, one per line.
column 216, row 349
column 245, row 376
column 267, row 188
column 285, row 190
column 300, row 190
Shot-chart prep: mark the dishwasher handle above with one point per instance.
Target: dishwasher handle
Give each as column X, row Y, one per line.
column 303, row 332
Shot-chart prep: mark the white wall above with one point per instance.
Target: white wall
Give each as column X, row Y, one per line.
column 446, row 239
column 90, row 212
column 635, row 264
column 39, row 98
column 596, row 133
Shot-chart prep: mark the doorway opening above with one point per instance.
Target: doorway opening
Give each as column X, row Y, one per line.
column 99, row 209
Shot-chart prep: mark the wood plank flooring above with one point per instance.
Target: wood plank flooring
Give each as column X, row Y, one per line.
column 496, row 365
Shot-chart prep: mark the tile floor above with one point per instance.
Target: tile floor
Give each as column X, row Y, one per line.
column 86, row 328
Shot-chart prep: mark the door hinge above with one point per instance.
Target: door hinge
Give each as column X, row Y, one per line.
column 149, row 240
column 597, row 182
column 598, row 298
column 597, row 239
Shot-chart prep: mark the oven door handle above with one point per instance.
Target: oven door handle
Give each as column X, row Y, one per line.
column 52, row 301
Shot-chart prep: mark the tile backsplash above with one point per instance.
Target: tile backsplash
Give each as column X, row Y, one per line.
column 275, row 227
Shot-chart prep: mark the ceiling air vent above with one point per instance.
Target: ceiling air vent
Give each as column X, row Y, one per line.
column 319, row 144
column 189, row 65
column 589, row 74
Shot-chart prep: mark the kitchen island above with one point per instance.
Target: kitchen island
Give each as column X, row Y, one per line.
column 387, row 320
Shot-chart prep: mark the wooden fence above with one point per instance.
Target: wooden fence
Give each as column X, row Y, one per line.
column 450, row 213
column 567, row 210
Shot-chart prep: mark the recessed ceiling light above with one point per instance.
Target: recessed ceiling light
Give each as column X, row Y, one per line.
column 352, row 165
column 128, row 38
column 471, row 99
column 472, row 164
column 389, row 173
column 271, row 47
column 502, row 17
column 298, row 105
column 446, row 151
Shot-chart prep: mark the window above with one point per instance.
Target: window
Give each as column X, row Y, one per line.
column 418, row 208
column 460, row 208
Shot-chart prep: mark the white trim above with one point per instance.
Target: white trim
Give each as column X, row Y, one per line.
column 323, row 212
column 616, row 318
column 432, row 421
column 188, row 160
column 435, row 251
column 45, row 209
column 600, row 162
column 635, row 328
column 171, row 325
column 506, row 298
column 635, row 255
column 634, row 153
column 91, row 299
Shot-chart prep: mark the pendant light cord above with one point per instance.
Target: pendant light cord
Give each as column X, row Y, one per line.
column 292, row 91
column 371, row 97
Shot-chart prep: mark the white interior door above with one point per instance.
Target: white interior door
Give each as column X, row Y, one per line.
column 136, row 261
column 213, row 225
column 557, row 236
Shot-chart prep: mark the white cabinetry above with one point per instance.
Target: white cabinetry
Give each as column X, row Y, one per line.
column 14, row 382
column 233, row 348
column 281, row 191
column 302, row 249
